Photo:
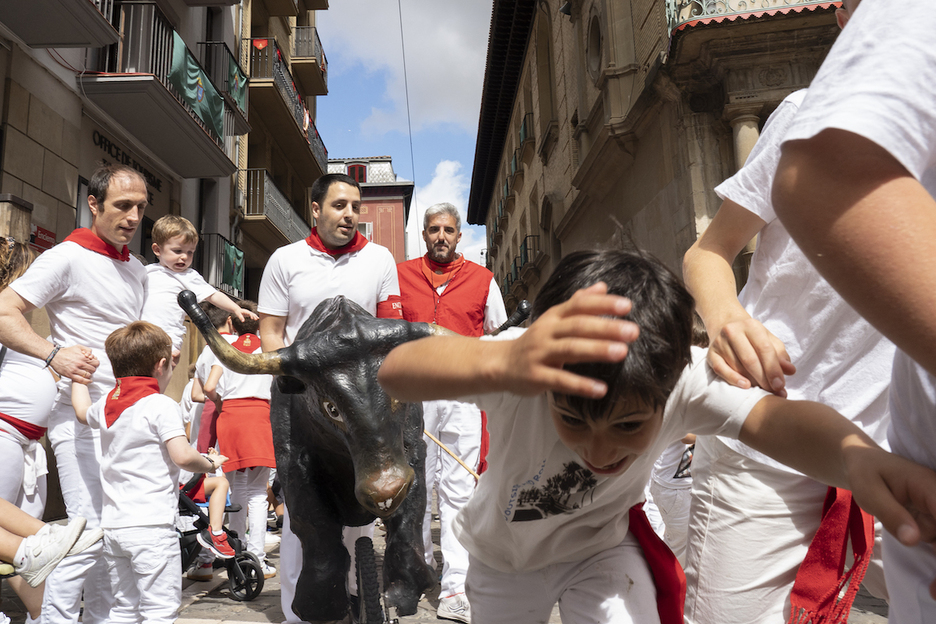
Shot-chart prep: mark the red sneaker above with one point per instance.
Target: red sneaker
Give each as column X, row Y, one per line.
column 217, row 544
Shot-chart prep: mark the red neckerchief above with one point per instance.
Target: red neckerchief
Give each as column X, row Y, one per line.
column 126, row 393
column 357, row 243
column 29, row 430
column 820, row 580
column 439, row 274
column 89, row 240
column 247, row 343
column 668, row 576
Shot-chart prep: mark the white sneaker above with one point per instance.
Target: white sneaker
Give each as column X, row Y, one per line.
column 268, row 570
column 454, row 607
column 44, row 550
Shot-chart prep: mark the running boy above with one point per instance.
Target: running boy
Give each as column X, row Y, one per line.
column 174, row 243
column 550, row 519
column 143, row 446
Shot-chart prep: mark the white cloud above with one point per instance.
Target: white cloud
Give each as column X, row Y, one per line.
column 446, row 48
column 448, row 184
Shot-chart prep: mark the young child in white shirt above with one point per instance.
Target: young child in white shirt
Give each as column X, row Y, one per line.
column 580, row 405
column 143, row 446
column 174, row 243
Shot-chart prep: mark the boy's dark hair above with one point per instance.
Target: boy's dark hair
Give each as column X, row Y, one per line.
column 216, row 315
column 101, row 179
column 135, row 350
column 248, row 325
column 662, row 308
column 320, row 187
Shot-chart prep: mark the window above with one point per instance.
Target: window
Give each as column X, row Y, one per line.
column 366, row 228
column 358, row 172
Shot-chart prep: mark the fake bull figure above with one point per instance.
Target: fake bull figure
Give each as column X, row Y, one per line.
column 346, row 452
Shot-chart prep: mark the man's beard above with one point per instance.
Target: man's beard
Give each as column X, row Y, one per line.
column 442, row 257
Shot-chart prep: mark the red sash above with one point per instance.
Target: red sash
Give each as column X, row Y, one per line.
column 438, row 274
column 668, row 576
column 89, row 240
column 820, row 580
column 125, row 394
column 357, row 243
column 29, row 430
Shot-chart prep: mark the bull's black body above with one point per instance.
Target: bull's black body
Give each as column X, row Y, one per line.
column 345, row 451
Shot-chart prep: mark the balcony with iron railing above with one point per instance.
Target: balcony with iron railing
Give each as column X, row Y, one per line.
column 269, row 218
column 61, row 23
column 275, row 98
column 225, row 71
column 503, row 218
column 509, row 197
column 680, row 13
column 152, row 85
column 531, row 259
column 309, row 64
column 221, row 264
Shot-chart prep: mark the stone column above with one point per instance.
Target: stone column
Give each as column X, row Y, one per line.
column 745, row 127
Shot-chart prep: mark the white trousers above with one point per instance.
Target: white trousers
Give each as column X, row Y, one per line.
column 673, row 507
column 612, row 587
column 144, row 567
column 291, row 563
column 78, row 456
column 248, row 489
column 457, row 426
column 11, row 479
column 909, row 572
column 749, row 529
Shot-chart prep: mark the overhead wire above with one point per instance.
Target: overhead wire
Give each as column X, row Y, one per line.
column 409, row 122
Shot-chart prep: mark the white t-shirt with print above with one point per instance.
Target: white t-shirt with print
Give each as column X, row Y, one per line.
column 87, row 296
column 841, row 360
column 162, row 305
column 536, row 505
column 297, row 278
column 892, row 103
column 140, row 481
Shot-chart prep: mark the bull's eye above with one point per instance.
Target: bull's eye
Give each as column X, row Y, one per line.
column 331, row 411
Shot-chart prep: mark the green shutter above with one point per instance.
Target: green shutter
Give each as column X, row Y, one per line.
column 193, row 85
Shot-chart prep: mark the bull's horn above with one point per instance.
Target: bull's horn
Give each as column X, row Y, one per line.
column 244, row 363
column 438, row 330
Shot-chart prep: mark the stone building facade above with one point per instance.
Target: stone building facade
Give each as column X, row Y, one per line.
column 610, row 121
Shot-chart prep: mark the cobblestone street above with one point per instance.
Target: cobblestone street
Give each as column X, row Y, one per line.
column 211, row 603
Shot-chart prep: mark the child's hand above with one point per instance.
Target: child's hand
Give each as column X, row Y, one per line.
column 217, row 458
column 242, row 315
column 569, row 333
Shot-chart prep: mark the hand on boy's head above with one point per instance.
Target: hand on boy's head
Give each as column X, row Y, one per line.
column 744, row 352
column 578, row 330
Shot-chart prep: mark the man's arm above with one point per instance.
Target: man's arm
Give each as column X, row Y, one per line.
column 77, row 363
column 869, row 227
column 272, row 332
column 211, row 385
column 447, row 367
column 742, row 350
column 824, row 445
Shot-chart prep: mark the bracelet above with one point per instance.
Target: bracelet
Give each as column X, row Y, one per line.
column 211, row 461
column 48, row 360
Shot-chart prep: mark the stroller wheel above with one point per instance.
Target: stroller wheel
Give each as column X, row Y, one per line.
column 245, row 577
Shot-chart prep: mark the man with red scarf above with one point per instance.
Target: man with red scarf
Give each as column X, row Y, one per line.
column 442, row 287
column 334, row 260
column 89, row 285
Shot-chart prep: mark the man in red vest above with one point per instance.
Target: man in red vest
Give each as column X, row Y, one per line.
column 442, row 287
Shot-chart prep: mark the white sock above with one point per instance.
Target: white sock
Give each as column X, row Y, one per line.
column 213, row 532
column 19, row 559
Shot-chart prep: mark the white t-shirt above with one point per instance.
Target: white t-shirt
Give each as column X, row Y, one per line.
column 27, row 389
column 297, row 278
column 841, row 360
column 162, row 306
column 879, row 81
column 536, row 505
column 237, row 386
column 87, row 296
column 206, row 360
column 140, row 481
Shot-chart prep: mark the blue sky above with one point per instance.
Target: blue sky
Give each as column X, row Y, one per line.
column 364, row 113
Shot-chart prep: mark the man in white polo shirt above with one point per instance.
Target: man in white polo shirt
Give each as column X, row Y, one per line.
column 334, row 260
column 89, row 285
